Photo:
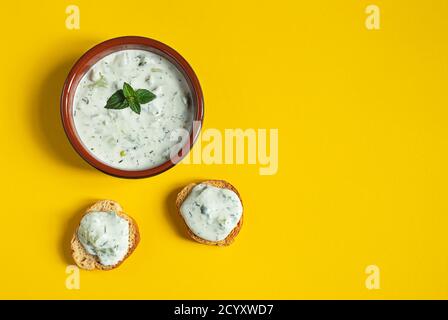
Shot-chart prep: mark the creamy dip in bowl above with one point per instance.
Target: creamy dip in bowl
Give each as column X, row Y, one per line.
column 124, row 141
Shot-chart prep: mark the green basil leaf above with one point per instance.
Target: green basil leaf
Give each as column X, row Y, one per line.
column 144, row 96
column 117, row 101
column 134, row 105
column 128, row 91
column 122, row 105
column 128, row 97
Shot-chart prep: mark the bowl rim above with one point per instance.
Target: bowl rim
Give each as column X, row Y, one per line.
column 82, row 66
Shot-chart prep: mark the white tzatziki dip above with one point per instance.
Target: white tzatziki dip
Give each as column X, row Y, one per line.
column 105, row 235
column 211, row 213
column 122, row 138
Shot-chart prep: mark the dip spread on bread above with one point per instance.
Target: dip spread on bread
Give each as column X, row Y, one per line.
column 210, row 212
column 122, row 138
column 105, row 235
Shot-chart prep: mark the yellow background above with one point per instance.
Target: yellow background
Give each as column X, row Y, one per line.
column 362, row 118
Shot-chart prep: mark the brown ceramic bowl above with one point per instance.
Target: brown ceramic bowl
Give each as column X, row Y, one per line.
column 98, row 52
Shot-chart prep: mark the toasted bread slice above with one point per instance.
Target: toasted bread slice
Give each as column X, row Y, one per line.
column 89, row 262
column 183, row 194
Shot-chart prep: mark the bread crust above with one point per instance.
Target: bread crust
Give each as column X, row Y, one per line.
column 87, row 261
column 183, row 194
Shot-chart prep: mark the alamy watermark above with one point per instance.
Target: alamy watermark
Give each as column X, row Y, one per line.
column 373, row 277
column 73, row 279
column 373, row 17
column 228, row 146
column 72, row 21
